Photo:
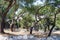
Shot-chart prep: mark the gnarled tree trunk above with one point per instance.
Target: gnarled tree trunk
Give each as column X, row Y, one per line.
column 11, row 3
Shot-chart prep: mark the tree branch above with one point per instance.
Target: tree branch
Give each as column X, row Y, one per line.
column 42, row 7
column 11, row 3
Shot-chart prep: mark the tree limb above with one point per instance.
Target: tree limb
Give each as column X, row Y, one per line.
column 11, row 3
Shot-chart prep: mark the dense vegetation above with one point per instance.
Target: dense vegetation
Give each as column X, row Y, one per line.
column 25, row 14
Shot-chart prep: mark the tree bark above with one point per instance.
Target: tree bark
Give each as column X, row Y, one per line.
column 2, row 25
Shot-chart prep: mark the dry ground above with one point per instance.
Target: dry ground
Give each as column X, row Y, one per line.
column 24, row 32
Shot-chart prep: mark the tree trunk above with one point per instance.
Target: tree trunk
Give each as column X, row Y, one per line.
column 53, row 25
column 2, row 25
column 51, row 30
column 31, row 29
column 45, row 29
column 12, row 27
column 11, row 3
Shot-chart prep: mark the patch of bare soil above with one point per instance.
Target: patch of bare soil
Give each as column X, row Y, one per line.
column 24, row 32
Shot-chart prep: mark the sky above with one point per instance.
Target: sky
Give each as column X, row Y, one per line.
column 38, row 2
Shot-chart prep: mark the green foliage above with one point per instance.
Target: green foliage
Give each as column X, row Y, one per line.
column 27, row 20
column 27, row 6
column 11, row 13
column 4, row 4
column 58, row 21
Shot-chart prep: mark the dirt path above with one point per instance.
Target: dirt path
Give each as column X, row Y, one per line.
column 24, row 32
column 56, row 32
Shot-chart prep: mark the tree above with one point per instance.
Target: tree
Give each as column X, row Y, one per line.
column 57, row 2
column 11, row 3
column 54, row 23
column 53, row 11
